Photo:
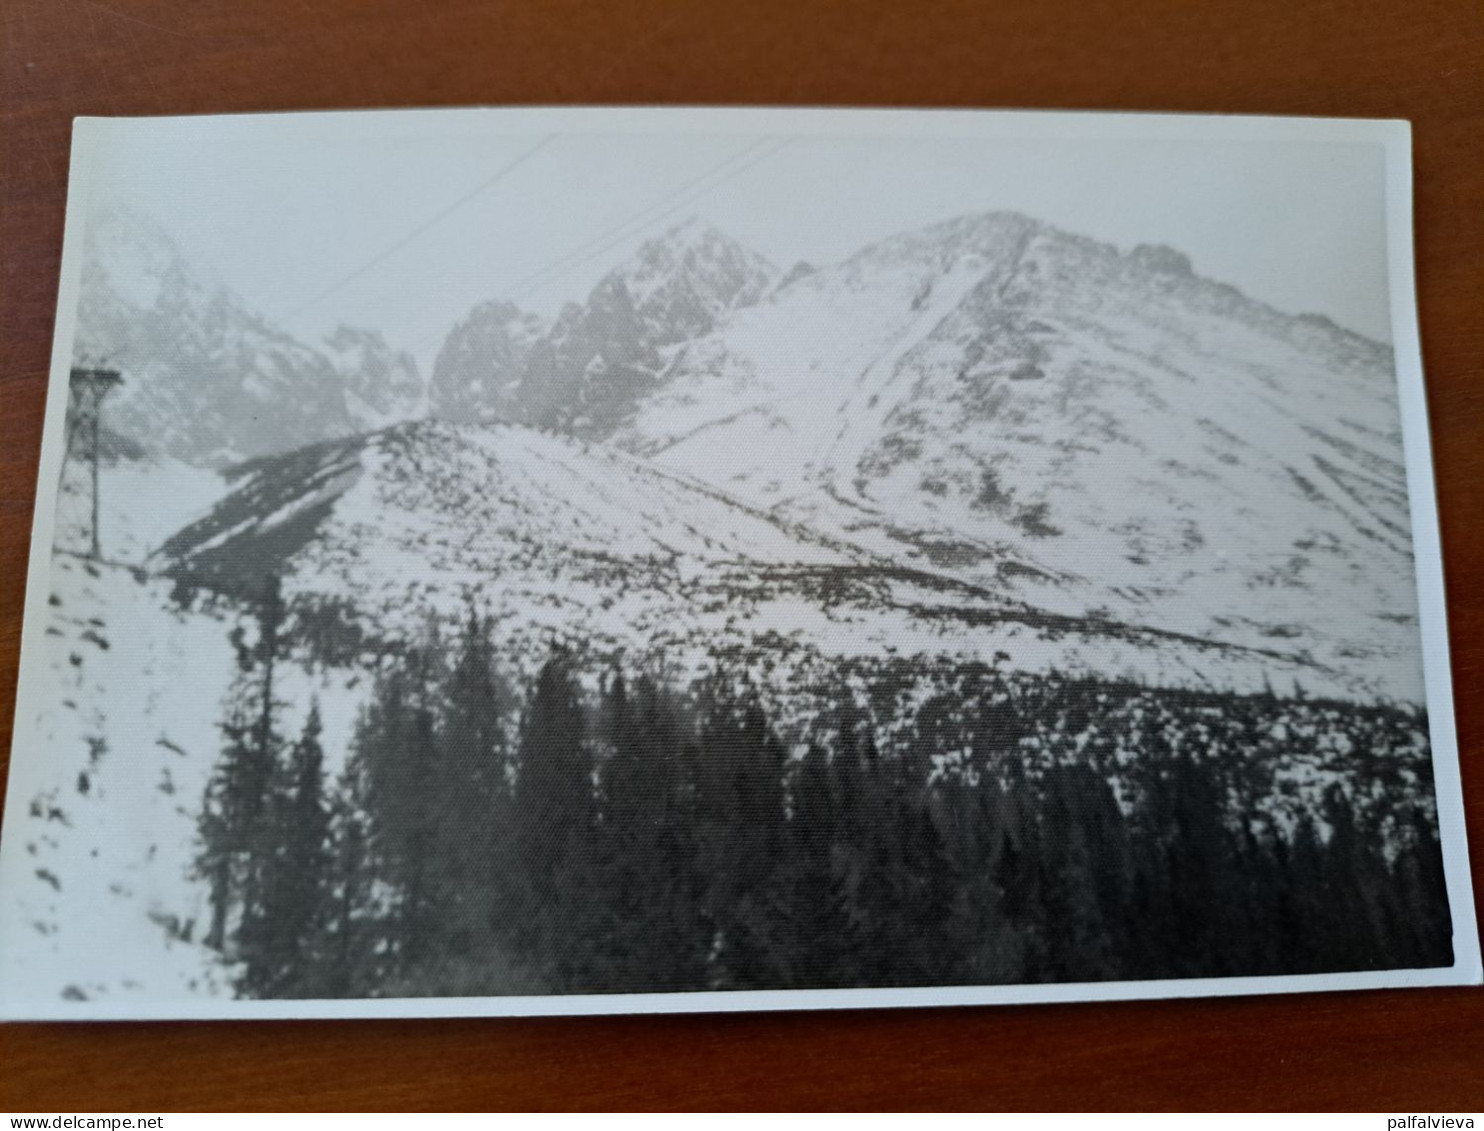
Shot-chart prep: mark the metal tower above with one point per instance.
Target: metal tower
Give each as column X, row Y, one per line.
column 88, row 388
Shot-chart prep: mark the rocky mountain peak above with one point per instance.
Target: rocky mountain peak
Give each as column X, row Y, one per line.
column 1166, row 260
column 128, row 252
column 381, row 382
column 585, row 371
column 478, row 369
column 986, row 236
column 684, row 280
column 208, row 380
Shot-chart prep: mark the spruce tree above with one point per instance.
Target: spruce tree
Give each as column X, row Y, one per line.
column 394, row 751
column 279, row 945
column 223, row 825
column 472, row 792
column 817, row 941
column 625, row 894
column 741, row 831
column 353, row 933
column 234, row 822
column 553, row 821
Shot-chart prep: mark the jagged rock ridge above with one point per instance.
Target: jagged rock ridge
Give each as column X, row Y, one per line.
column 208, row 380
column 585, row 373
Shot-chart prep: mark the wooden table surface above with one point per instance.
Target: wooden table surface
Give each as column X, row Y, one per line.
column 1418, row 59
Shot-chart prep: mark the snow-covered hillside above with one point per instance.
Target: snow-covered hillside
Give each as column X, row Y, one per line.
column 114, row 748
column 1153, row 446
column 100, row 903
column 144, row 499
column 559, row 540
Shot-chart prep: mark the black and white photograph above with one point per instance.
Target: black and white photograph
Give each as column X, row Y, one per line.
column 531, row 561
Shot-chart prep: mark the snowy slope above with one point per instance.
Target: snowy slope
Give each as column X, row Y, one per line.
column 583, row 544
column 100, row 903
column 143, row 500
column 1094, row 432
column 102, row 830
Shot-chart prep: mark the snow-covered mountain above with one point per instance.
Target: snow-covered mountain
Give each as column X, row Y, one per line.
column 1098, row 442
column 380, row 384
column 208, row 380
column 687, row 280
column 477, row 373
column 564, row 541
column 1095, row 432
column 585, row 372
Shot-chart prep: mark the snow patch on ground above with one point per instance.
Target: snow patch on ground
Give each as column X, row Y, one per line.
column 111, row 763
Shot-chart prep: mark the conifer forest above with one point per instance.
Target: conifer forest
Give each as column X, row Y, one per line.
column 600, row 830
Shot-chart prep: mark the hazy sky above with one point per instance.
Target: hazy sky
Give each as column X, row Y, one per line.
column 401, row 222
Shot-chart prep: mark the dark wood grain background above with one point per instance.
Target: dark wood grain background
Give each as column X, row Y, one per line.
column 1418, row 59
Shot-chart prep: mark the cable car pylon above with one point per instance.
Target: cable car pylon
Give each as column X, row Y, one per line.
column 89, row 386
